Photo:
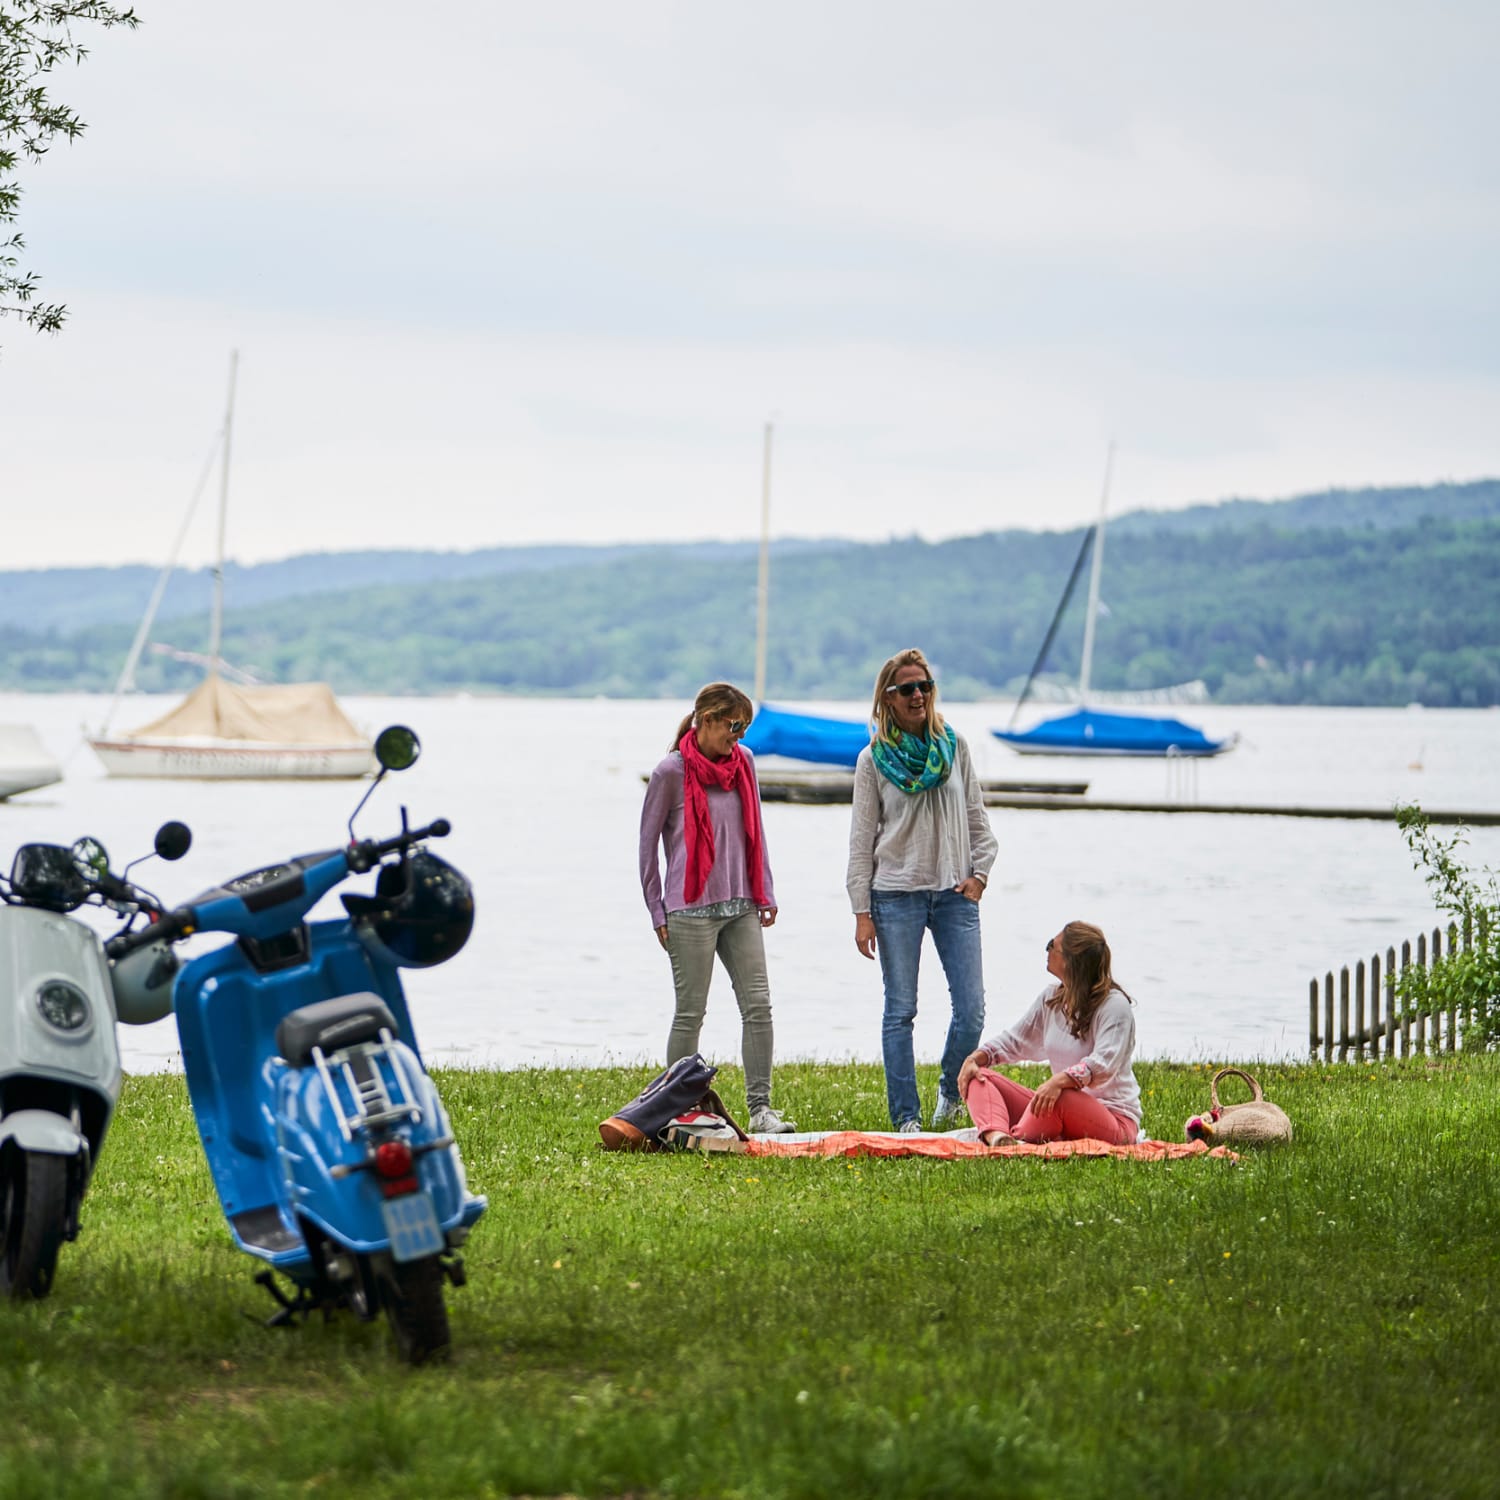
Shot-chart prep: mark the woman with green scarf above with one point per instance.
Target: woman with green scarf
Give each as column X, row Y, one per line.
column 920, row 851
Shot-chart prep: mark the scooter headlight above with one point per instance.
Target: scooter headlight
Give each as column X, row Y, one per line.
column 63, row 1005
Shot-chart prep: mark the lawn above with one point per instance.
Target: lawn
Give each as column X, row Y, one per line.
column 1318, row 1319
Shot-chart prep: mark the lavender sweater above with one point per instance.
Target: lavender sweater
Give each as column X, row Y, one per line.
column 662, row 820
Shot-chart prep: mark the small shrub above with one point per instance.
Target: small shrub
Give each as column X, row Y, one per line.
column 1466, row 982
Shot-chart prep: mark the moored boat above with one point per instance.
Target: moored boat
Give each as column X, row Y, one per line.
column 25, row 763
column 223, row 730
column 806, row 737
column 1086, row 731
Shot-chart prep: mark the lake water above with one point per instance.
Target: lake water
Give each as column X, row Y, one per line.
column 1217, row 923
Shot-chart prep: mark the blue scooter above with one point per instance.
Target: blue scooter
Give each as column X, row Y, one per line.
column 332, row 1154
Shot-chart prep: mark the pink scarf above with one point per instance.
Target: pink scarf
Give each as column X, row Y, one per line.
column 698, row 831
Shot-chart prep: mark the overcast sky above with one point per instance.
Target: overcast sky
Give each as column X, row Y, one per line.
column 504, row 272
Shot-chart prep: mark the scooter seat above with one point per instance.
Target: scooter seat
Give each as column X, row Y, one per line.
column 332, row 1024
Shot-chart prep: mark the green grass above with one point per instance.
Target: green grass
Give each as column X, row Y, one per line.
column 1318, row 1320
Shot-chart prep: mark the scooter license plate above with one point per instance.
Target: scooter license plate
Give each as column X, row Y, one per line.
column 411, row 1225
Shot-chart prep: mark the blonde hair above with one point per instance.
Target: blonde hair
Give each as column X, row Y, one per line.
column 881, row 711
column 1087, row 977
column 716, row 700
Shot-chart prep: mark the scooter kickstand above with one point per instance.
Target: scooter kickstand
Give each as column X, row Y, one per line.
column 288, row 1310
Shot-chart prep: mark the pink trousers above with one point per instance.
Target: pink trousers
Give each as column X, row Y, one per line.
column 999, row 1103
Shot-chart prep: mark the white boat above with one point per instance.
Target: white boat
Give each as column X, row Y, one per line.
column 226, row 730
column 25, row 763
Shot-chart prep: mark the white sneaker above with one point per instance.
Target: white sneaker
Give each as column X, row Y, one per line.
column 909, row 1127
column 948, row 1111
column 765, row 1121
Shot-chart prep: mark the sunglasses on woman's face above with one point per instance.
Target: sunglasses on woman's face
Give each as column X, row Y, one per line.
column 737, row 727
column 906, row 689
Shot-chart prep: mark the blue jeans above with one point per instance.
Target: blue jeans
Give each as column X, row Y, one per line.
column 901, row 918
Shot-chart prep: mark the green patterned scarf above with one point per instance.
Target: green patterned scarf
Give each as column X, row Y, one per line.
column 915, row 763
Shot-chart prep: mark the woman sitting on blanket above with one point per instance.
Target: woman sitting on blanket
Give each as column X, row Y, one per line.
column 1083, row 1024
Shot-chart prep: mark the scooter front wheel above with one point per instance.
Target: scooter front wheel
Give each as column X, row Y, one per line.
column 412, row 1293
column 33, row 1219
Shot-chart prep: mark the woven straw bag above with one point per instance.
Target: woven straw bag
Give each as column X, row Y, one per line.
column 1255, row 1122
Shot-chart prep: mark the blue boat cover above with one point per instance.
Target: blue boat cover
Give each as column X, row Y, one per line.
column 1087, row 732
column 828, row 742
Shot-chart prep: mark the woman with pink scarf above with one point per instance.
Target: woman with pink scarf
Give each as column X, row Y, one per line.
column 703, row 808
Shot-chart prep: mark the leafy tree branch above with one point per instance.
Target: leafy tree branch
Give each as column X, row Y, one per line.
column 34, row 40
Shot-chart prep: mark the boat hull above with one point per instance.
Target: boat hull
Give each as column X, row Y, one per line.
column 231, row 760
column 1113, row 753
column 25, row 763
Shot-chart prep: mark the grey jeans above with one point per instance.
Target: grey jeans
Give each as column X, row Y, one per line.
column 740, row 945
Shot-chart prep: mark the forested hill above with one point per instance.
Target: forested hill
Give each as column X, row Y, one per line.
column 1329, row 510
column 1308, row 600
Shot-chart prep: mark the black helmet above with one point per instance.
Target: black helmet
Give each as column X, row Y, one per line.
column 421, row 914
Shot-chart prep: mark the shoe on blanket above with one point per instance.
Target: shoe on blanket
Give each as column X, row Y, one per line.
column 765, row 1121
column 909, row 1127
column 949, row 1111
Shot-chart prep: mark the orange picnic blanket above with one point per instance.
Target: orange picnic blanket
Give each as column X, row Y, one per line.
column 885, row 1143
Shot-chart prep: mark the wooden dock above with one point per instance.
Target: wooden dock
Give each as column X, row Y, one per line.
column 838, row 786
column 824, row 787
column 1232, row 809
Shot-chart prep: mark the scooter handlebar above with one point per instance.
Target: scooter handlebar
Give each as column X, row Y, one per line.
column 366, row 854
column 166, row 929
column 169, row 927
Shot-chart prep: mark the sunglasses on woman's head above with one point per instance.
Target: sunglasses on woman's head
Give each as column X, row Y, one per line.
column 906, row 689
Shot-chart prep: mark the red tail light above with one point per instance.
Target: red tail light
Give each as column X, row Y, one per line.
column 393, row 1160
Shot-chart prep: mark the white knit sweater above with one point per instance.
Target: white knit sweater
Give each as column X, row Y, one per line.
column 1100, row 1059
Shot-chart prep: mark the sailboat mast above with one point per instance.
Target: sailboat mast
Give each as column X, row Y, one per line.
column 763, row 581
column 216, row 634
column 1086, row 666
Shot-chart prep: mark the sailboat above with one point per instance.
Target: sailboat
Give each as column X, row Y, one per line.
column 1087, row 731
column 811, row 738
column 228, row 729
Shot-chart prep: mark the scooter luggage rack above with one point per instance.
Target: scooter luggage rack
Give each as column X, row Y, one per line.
column 373, row 1102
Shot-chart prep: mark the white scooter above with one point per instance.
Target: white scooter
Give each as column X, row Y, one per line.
column 59, row 1057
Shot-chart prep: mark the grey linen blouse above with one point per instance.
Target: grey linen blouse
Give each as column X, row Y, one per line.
column 917, row 841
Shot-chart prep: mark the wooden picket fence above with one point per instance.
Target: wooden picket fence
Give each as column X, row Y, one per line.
column 1370, row 1019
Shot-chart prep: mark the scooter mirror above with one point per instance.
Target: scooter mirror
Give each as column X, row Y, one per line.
column 173, row 840
column 397, row 747
column 90, row 858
